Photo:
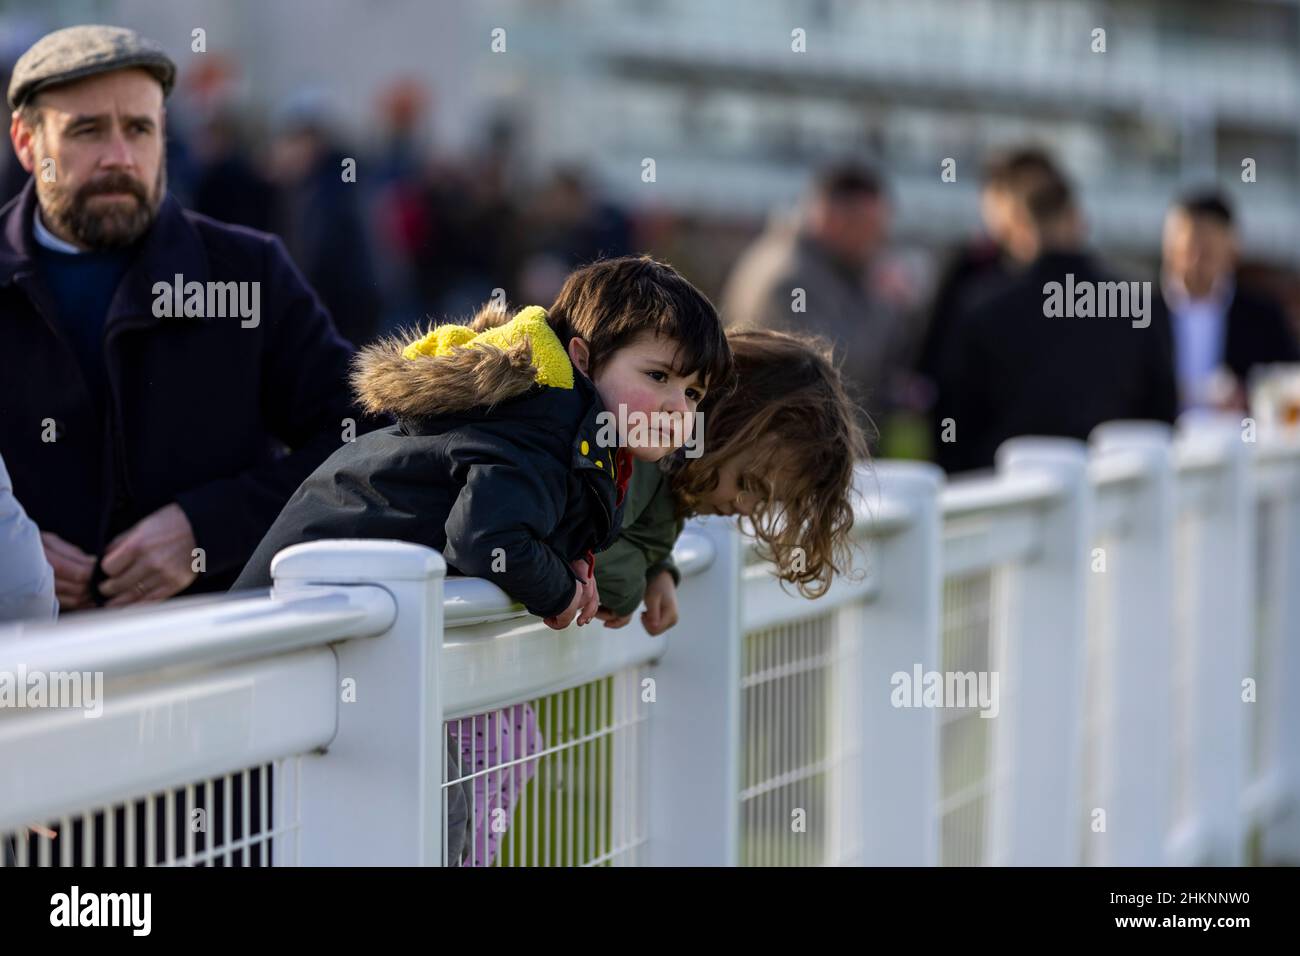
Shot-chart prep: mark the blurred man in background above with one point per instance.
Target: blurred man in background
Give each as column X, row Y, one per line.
column 227, row 185
column 810, row 275
column 1014, row 366
column 981, row 266
column 1219, row 331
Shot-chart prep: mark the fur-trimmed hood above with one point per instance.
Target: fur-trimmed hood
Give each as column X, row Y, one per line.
column 473, row 482
column 451, row 369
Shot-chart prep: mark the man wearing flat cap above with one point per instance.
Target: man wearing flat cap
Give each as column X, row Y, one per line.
column 168, row 380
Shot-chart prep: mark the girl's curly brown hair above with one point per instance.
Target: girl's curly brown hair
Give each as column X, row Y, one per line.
column 787, row 399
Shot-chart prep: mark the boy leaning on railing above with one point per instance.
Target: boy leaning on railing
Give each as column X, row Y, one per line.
column 513, row 450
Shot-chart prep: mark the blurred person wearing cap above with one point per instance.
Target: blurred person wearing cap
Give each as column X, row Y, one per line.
column 1218, row 331
column 825, row 253
column 1013, row 367
column 153, row 447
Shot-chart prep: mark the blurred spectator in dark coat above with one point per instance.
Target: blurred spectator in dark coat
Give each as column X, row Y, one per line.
column 227, row 186
column 472, row 225
column 980, row 267
column 318, row 214
column 567, row 225
column 1219, row 331
column 809, row 274
column 1015, row 367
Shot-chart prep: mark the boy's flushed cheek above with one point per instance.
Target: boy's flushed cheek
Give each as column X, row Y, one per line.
column 641, row 420
column 640, row 401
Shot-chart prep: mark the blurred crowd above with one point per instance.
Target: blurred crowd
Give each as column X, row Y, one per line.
column 398, row 233
column 387, row 236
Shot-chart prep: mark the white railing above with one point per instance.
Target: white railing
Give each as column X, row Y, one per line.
column 1137, row 603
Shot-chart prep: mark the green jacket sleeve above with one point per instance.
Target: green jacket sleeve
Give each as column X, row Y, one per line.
column 643, row 547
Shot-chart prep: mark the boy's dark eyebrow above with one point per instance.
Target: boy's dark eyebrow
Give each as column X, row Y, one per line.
column 677, row 370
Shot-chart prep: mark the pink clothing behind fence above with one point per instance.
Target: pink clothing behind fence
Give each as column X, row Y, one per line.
column 488, row 741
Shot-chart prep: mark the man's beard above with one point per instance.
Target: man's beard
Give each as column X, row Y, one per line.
column 112, row 226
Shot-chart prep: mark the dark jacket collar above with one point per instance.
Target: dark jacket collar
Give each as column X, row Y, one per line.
column 171, row 246
column 553, row 410
column 1058, row 261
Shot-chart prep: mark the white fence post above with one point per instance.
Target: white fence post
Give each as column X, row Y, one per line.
column 1135, row 735
column 1038, row 738
column 899, row 765
column 374, row 797
column 1280, row 566
column 1220, row 617
column 694, row 752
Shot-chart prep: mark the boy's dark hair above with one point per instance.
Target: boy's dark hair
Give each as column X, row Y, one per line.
column 612, row 301
column 1208, row 204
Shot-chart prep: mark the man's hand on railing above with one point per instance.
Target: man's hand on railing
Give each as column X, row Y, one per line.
column 586, row 599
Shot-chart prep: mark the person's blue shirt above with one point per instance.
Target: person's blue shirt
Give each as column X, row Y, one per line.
column 82, row 285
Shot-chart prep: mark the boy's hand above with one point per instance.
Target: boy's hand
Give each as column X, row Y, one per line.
column 590, row 598
column 559, row 622
column 585, row 601
column 660, row 604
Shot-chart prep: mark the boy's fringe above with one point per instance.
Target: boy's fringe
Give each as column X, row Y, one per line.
column 385, row 382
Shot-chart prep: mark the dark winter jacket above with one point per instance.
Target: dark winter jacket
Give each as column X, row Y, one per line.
column 1011, row 370
column 200, row 409
column 494, row 462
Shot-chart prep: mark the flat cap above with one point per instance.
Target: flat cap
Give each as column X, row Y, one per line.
column 75, row 53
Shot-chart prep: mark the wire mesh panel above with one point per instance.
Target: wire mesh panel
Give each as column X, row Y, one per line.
column 799, row 743
column 965, row 738
column 224, row 821
column 1097, row 698
column 554, row 781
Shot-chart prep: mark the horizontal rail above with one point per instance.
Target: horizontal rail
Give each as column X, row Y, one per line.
column 1195, row 453
column 205, row 632
column 1116, row 469
column 997, row 495
column 164, row 735
column 972, row 545
column 483, row 667
column 767, row 602
column 881, row 518
column 469, row 601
